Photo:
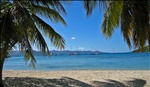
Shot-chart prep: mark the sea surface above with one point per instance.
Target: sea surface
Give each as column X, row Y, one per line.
column 104, row 61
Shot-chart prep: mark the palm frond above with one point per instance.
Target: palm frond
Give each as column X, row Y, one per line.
column 144, row 49
column 140, row 27
column 55, row 38
column 111, row 18
column 56, row 5
column 89, row 6
column 28, row 53
column 41, row 42
column 103, row 4
column 49, row 13
column 126, row 23
column 59, row 7
column 30, row 35
column 34, row 36
column 24, row 42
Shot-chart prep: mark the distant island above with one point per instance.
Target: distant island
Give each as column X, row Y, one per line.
column 64, row 52
column 55, row 53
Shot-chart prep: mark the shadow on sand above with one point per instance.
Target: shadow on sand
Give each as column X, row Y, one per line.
column 113, row 83
column 68, row 82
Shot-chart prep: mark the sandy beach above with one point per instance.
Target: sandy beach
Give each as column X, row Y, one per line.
column 77, row 78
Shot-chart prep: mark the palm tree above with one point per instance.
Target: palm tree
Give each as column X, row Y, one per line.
column 20, row 23
column 133, row 16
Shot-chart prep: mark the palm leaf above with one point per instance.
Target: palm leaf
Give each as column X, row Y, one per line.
column 49, row 13
column 56, row 5
column 55, row 38
column 35, row 37
column 140, row 27
column 112, row 18
column 126, row 23
column 28, row 53
column 89, row 6
column 144, row 49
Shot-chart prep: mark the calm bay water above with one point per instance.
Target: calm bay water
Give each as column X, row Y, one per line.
column 106, row 61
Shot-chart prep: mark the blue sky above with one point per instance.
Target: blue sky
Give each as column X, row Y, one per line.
column 84, row 33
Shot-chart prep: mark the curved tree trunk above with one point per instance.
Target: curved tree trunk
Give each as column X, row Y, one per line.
column 1, row 69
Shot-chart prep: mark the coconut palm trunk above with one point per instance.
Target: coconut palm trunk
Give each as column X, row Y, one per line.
column 3, row 55
column 1, row 69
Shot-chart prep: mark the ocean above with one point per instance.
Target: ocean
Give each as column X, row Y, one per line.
column 103, row 61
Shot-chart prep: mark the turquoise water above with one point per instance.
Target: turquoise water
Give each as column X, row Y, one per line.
column 106, row 61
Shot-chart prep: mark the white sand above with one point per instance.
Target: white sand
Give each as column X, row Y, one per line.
column 96, row 78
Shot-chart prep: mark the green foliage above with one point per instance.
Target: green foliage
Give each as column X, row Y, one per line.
column 20, row 24
column 112, row 17
column 89, row 5
column 133, row 16
column 144, row 49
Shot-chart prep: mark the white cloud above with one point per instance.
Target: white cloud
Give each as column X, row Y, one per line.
column 73, row 38
column 80, row 48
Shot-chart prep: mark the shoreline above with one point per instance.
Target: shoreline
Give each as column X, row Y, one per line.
column 90, row 77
